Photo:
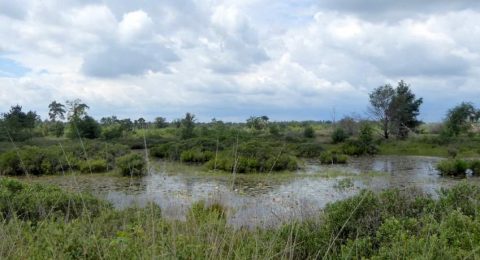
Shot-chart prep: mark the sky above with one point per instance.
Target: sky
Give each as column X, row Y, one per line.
column 229, row 60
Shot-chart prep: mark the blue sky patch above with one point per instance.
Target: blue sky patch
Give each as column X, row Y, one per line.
column 11, row 69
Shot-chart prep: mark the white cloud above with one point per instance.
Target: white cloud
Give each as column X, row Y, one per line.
column 231, row 59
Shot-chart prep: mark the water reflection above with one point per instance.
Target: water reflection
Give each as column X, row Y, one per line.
column 261, row 201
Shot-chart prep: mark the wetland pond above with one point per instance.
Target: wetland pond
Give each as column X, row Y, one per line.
column 260, row 200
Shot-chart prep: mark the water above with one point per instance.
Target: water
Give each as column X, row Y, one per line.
column 256, row 200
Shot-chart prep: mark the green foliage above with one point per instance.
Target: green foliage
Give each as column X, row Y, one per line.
column 132, row 164
column 308, row 150
column 396, row 109
column 35, row 202
column 18, row 124
column 93, row 166
column 309, row 132
column 329, row 157
column 85, row 127
column 460, row 119
column 196, row 156
column 55, row 159
column 393, row 224
column 160, row 122
column 257, row 122
column 452, row 167
column 188, row 125
column 57, row 129
column 339, row 135
column 363, row 145
column 253, row 159
column 113, row 131
column 32, row 160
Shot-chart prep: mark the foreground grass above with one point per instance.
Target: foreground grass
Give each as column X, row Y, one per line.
column 392, row 224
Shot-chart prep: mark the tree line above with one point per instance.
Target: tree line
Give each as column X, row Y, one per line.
column 394, row 109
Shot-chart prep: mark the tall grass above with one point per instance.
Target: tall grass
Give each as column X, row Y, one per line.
column 391, row 224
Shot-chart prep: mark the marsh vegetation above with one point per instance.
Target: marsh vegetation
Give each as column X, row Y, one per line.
column 382, row 186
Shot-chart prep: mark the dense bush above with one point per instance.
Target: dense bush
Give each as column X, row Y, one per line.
column 308, row 150
column 333, row 158
column 196, row 156
column 245, row 164
column 33, row 160
column 93, row 166
column 339, row 135
column 458, row 167
column 35, row 202
column 59, row 159
column 132, row 164
column 309, row 132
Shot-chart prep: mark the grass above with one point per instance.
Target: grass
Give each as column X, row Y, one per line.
column 432, row 146
column 391, row 224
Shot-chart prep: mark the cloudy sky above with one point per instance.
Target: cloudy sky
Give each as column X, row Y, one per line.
column 289, row 59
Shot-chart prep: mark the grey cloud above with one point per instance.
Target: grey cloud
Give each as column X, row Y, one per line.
column 125, row 60
column 394, row 9
column 14, row 9
column 419, row 60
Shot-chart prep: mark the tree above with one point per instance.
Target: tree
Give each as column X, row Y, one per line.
column 161, row 122
column 381, row 101
column 460, row 118
column 258, row 122
column 56, row 111
column 188, row 125
column 19, row 124
column 396, row 109
column 88, row 128
column 76, row 109
column 80, row 123
column 405, row 109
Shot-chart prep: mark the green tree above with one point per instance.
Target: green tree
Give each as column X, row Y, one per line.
column 56, row 111
column 381, row 107
column 396, row 109
column 258, row 122
column 80, row 123
column 76, row 109
column 460, row 118
column 405, row 110
column 161, row 122
column 18, row 124
column 188, row 125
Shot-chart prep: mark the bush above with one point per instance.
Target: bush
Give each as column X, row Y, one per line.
column 93, row 166
column 33, row 160
column 308, row 150
column 132, row 164
column 309, row 132
column 35, row 202
column 196, row 156
column 333, row 158
column 339, row 136
column 452, row 167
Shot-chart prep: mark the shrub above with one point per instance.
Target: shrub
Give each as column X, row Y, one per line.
column 132, row 164
column 33, row 160
column 10, row 164
column 93, row 166
column 339, row 136
column 35, row 202
column 452, row 167
column 308, row 150
column 333, row 158
column 309, row 132
column 196, row 156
